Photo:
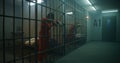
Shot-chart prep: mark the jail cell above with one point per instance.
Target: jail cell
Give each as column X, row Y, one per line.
column 40, row 31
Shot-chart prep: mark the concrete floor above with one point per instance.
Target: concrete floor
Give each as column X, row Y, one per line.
column 94, row 52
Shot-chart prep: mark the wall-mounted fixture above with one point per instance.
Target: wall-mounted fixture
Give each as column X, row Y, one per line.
column 109, row 11
column 87, row 17
column 91, row 5
column 69, row 13
column 32, row 2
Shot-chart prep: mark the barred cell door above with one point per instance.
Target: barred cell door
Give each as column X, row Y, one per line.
column 39, row 31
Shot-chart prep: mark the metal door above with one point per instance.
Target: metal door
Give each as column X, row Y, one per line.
column 109, row 28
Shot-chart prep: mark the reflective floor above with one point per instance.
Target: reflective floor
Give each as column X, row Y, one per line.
column 94, row 52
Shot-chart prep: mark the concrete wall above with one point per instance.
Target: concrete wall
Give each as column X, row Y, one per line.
column 118, row 27
column 94, row 32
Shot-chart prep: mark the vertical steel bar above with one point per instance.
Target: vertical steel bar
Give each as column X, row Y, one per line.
column 40, row 36
column 36, row 32
column 46, row 3
column 14, row 54
column 4, row 58
column 56, row 38
column 29, row 32
column 45, row 35
column 64, row 25
column 57, row 35
column 75, row 24
column 51, row 5
column 22, row 46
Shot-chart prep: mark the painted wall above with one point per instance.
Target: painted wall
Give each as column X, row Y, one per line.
column 118, row 27
column 113, row 27
column 94, row 26
column 95, row 33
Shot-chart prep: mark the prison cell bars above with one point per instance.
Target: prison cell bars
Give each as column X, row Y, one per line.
column 22, row 44
column 36, row 32
column 29, row 32
column 36, row 19
column 3, row 35
column 14, row 54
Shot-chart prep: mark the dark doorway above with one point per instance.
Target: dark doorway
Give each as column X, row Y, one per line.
column 109, row 28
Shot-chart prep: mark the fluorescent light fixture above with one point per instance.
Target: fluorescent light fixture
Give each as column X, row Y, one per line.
column 38, row 1
column 90, row 5
column 31, row 3
column 93, row 8
column 69, row 13
column 87, row 17
column 109, row 11
column 89, row 2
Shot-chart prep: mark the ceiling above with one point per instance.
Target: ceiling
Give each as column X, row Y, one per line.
column 100, row 4
column 106, row 4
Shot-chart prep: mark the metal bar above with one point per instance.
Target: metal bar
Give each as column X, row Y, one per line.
column 29, row 31
column 36, row 32
column 64, row 26
column 46, row 3
column 22, row 17
column 50, row 5
column 14, row 54
column 40, row 30
column 18, row 17
column 58, row 15
column 74, row 24
column 4, row 58
column 56, row 9
column 41, row 52
column 44, row 45
column 52, row 42
column 16, row 38
column 22, row 45
column 58, row 27
column 41, row 12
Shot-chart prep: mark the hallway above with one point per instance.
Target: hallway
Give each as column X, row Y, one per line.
column 61, row 31
column 94, row 52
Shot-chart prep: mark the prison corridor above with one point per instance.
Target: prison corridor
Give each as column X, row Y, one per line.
column 59, row 31
column 94, row 52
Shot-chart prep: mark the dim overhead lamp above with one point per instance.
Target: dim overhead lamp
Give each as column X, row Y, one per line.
column 90, row 4
column 69, row 13
column 109, row 11
column 32, row 2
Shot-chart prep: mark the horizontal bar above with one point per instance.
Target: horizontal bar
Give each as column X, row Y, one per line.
column 18, row 17
column 22, row 18
column 32, row 54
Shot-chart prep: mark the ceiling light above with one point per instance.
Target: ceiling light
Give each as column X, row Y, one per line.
column 33, row 2
column 93, row 8
column 87, row 17
column 109, row 11
column 69, row 13
column 90, row 5
column 39, row 1
column 89, row 2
